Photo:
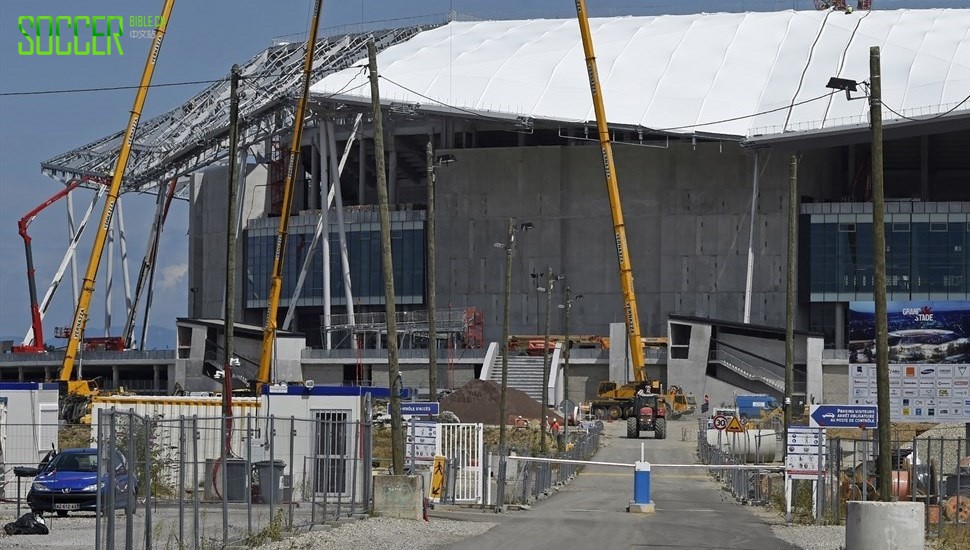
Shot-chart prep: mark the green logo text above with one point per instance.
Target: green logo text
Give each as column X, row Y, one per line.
column 70, row 35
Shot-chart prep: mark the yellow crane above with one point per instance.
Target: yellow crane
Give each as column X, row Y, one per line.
column 82, row 390
column 276, row 278
column 631, row 315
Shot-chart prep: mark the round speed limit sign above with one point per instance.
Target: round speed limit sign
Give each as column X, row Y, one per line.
column 720, row 422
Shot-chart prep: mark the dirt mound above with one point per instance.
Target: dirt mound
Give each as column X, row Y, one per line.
column 480, row 401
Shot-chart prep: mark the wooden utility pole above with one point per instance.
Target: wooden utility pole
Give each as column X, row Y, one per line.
column 790, row 294
column 231, row 253
column 879, row 277
column 503, row 413
column 397, row 433
column 432, row 328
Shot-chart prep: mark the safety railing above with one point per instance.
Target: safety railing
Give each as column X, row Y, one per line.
column 740, row 466
column 532, row 480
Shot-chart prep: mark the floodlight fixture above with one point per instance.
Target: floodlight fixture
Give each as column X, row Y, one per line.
column 846, row 84
column 447, row 158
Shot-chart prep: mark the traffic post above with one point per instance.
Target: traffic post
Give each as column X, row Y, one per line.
column 641, row 503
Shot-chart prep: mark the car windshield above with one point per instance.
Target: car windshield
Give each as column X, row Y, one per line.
column 74, row 462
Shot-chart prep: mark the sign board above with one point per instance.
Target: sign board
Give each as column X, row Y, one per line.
column 720, row 422
column 843, row 416
column 734, row 426
column 420, row 408
column 437, row 479
column 929, row 359
column 805, row 452
column 421, row 437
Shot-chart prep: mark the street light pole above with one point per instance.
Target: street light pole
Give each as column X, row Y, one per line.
column 432, row 329
column 568, row 307
column 543, row 411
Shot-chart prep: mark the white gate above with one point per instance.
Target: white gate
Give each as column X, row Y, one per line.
column 463, row 445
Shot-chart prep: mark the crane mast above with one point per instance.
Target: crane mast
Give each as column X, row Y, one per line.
column 276, row 278
column 83, row 387
column 631, row 316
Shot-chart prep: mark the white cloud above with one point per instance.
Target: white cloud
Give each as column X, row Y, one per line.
column 173, row 275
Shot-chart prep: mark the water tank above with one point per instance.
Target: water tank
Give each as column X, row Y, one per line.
column 752, row 446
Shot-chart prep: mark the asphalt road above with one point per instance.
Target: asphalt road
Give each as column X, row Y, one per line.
column 590, row 512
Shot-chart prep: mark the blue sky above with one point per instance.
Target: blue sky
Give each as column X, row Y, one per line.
column 204, row 39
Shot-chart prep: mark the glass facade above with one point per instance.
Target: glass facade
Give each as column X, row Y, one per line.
column 926, row 256
column 364, row 255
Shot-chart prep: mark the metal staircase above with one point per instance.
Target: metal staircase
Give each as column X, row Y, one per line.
column 747, row 370
column 525, row 374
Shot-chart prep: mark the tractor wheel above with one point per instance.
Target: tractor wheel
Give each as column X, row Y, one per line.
column 660, row 428
column 632, row 428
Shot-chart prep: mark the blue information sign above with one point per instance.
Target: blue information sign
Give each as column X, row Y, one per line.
column 418, row 408
column 843, row 416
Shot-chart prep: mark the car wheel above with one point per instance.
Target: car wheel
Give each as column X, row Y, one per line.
column 62, row 513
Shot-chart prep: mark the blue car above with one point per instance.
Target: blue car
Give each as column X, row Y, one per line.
column 68, row 483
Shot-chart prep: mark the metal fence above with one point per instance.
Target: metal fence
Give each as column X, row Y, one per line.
column 934, row 471
column 747, row 485
column 282, row 474
column 530, row 480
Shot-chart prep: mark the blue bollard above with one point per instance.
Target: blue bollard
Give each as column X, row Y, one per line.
column 641, row 489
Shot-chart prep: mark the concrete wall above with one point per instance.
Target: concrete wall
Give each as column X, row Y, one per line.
column 687, row 218
column 691, row 373
column 207, row 238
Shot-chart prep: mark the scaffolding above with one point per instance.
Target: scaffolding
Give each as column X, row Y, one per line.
column 454, row 328
column 195, row 135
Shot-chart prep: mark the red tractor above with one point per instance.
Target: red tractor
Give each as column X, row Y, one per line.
column 649, row 414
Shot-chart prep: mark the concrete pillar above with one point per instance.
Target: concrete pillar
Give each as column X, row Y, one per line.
column 156, row 379
column 114, row 376
column 884, row 525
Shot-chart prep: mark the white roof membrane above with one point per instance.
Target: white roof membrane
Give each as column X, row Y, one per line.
column 704, row 73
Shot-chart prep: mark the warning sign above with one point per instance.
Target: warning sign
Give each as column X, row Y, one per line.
column 437, row 478
column 734, row 426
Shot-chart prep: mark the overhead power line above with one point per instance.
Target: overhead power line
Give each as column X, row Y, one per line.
column 110, row 88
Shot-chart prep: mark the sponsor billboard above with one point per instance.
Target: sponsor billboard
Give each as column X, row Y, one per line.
column 929, row 359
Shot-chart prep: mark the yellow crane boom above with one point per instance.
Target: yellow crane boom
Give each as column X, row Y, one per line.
column 276, row 278
column 83, row 387
column 631, row 316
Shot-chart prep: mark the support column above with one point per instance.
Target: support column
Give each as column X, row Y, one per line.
column 325, row 236
column 839, row 325
column 362, row 170
column 749, row 278
column 315, row 199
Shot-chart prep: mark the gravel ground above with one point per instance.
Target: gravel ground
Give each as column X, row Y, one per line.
column 806, row 537
column 385, row 534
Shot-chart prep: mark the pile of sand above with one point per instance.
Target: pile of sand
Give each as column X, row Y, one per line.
column 479, row 401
